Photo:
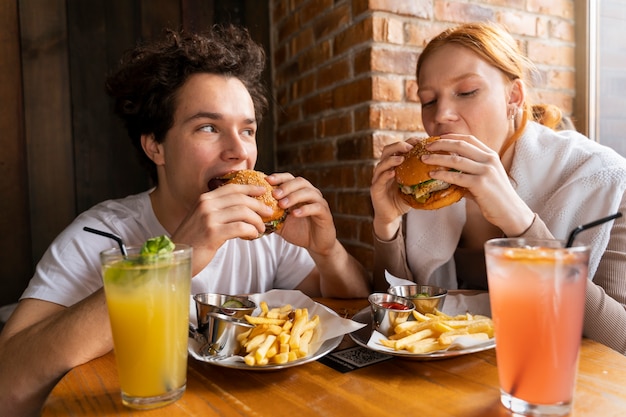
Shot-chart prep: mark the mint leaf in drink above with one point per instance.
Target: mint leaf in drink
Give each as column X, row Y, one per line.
column 157, row 246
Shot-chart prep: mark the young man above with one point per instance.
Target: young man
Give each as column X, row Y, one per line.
column 191, row 105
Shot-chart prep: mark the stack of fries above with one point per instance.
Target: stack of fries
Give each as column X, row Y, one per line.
column 281, row 335
column 436, row 331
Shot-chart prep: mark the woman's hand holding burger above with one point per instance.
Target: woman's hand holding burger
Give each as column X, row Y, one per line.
column 436, row 172
column 388, row 205
column 477, row 168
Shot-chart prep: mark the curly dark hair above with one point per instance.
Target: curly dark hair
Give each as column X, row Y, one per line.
column 145, row 85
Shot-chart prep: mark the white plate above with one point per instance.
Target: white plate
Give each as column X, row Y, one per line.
column 326, row 347
column 362, row 336
column 332, row 328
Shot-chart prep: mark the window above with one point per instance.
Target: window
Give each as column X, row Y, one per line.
column 601, row 72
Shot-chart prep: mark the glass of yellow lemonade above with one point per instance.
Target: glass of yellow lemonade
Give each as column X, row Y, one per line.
column 148, row 302
column 537, row 295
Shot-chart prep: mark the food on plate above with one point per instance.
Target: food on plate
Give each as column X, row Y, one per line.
column 436, row 331
column 273, row 222
column 232, row 303
column 281, row 335
column 395, row 306
column 417, row 188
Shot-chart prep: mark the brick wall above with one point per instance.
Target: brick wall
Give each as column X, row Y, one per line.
column 344, row 84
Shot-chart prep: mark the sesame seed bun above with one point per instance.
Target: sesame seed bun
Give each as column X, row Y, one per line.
column 273, row 222
column 417, row 188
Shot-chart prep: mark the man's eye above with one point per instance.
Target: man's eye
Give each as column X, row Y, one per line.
column 208, row 128
column 248, row 132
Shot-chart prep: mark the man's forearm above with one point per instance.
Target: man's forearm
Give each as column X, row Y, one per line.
column 71, row 335
column 342, row 276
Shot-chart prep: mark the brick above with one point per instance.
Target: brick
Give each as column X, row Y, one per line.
column 562, row 30
column 363, row 173
column 354, row 148
column 387, row 88
column 333, row 72
column 289, row 112
column 290, row 26
column 362, row 118
column 317, row 103
column 359, row 6
column 560, row 79
column 352, row 93
column 347, row 227
column 313, row 9
column 347, row 175
column 303, row 87
column 301, row 41
column 324, row 151
column 360, row 33
column 366, row 233
column 386, row 29
column 518, row 23
column 334, row 21
column 414, row 8
column 553, row 53
column 397, row 117
column 335, row 125
column 393, row 61
column 560, row 8
column 509, row 4
column 314, row 57
column 382, row 139
column 357, row 203
column 419, row 33
column 564, row 101
column 290, row 156
column 448, row 11
column 362, row 61
column 302, row 132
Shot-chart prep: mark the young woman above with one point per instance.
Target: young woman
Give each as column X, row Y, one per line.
column 522, row 178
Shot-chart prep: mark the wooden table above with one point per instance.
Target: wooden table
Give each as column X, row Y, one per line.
column 463, row 386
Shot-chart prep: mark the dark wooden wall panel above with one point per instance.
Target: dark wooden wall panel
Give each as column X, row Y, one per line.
column 15, row 250
column 105, row 162
column 47, row 119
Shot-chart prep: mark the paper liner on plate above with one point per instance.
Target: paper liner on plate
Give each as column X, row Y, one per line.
column 460, row 343
column 331, row 325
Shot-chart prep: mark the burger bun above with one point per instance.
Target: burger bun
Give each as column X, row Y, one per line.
column 413, row 171
column 272, row 222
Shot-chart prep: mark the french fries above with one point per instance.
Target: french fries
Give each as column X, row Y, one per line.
column 281, row 335
column 436, row 331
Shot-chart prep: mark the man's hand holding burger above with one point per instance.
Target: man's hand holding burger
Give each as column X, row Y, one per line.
column 223, row 213
column 310, row 222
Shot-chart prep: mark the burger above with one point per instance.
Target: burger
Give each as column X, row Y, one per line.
column 273, row 222
column 415, row 185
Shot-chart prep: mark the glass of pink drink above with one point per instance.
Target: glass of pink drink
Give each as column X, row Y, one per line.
column 537, row 295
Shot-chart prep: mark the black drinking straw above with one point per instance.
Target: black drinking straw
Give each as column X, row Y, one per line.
column 118, row 239
column 598, row 222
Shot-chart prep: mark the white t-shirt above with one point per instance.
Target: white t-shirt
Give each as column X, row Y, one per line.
column 70, row 269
